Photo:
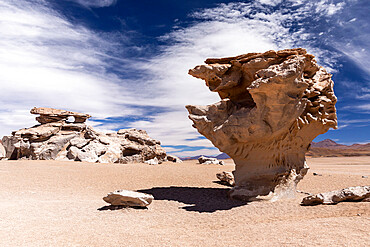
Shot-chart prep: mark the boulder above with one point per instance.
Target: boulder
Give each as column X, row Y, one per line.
column 79, row 142
column 38, row 133
column 358, row 193
column 49, row 149
column 73, row 152
column 226, row 178
column 152, row 161
column 9, row 143
column 112, row 155
column 128, row 198
column 95, row 147
column 2, row 151
column 273, row 104
column 89, row 156
column 209, row 161
column 173, row 158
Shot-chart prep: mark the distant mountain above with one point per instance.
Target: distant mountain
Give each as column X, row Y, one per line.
column 329, row 148
column 223, row 156
column 325, row 148
column 192, row 157
column 327, row 143
column 220, row 157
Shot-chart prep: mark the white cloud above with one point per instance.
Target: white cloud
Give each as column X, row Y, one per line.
column 47, row 61
column 270, row 2
column 227, row 30
column 95, row 3
column 327, row 7
column 363, row 107
column 206, row 152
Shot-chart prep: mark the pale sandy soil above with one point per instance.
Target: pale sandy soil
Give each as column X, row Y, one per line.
column 50, row 203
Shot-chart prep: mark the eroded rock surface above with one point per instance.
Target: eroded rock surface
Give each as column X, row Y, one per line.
column 62, row 140
column 272, row 106
column 128, row 198
column 358, row 193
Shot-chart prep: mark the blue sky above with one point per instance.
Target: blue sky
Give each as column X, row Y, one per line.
column 125, row 62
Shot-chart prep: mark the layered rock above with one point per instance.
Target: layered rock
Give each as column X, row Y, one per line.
column 49, row 115
column 63, row 140
column 358, row 193
column 272, row 106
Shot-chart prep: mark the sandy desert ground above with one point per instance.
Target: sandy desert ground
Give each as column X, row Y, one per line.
column 51, row 203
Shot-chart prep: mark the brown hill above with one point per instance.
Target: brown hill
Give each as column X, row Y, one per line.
column 329, row 148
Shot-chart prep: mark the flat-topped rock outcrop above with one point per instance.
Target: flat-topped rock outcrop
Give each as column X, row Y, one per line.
column 56, row 138
column 49, row 115
column 272, row 106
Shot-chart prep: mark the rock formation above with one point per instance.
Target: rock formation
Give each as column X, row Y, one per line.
column 272, row 106
column 2, row 151
column 128, row 198
column 209, row 161
column 226, row 178
column 359, row 193
column 56, row 138
column 173, row 158
column 49, row 115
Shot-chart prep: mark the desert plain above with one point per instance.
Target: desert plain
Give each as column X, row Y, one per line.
column 56, row 203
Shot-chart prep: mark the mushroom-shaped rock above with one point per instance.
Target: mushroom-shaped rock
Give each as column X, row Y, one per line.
column 358, row 193
column 272, row 106
column 49, row 115
column 128, row 198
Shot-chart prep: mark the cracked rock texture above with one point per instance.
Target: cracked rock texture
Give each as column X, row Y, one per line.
column 56, row 138
column 272, row 106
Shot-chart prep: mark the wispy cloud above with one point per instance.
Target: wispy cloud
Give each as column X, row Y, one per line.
column 45, row 60
column 205, row 151
column 95, row 3
column 226, row 30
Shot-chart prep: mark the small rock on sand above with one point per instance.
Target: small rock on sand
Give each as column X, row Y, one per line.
column 209, row 161
column 358, row 193
column 128, row 198
column 226, row 178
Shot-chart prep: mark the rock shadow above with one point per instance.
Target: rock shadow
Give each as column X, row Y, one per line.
column 201, row 200
column 222, row 183
column 118, row 207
